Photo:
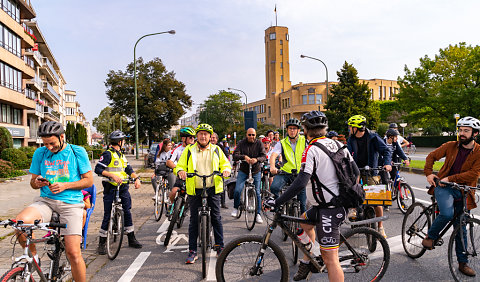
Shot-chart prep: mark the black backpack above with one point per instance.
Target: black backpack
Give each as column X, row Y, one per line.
column 351, row 193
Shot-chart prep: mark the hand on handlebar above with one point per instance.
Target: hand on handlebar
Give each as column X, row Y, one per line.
column 407, row 162
column 226, row 173
column 431, row 179
column 387, row 167
column 273, row 170
column 182, row 174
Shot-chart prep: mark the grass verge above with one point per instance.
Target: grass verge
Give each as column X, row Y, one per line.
column 421, row 164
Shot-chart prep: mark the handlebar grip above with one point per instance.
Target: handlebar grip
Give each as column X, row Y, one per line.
column 189, row 175
column 54, row 224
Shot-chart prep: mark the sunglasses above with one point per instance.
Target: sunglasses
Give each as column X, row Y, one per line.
column 251, row 134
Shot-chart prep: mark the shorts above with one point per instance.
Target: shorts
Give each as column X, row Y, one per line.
column 70, row 214
column 328, row 221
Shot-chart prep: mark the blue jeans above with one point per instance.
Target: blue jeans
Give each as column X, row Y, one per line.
column 108, row 197
column 241, row 178
column 279, row 181
column 449, row 203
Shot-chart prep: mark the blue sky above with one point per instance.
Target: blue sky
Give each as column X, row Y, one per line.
column 219, row 44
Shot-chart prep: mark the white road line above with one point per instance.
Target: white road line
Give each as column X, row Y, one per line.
column 212, row 261
column 421, row 189
column 423, row 201
column 164, row 226
column 134, row 267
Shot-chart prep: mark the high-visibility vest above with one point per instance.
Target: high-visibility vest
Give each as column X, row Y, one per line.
column 290, row 159
column 117, row 166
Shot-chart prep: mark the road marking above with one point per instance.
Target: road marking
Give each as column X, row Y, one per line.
column 164, row 226
column 421, row 189
column 134, row 267
column 212, row 261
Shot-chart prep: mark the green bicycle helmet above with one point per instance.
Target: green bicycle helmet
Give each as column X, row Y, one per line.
column 293, row 121
column 204, row 127
column 358, row 121
column 187, row 132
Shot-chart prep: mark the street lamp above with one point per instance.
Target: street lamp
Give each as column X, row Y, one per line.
column 403, row 125
column 326, row 69
column 135, row 78
column 246, row 99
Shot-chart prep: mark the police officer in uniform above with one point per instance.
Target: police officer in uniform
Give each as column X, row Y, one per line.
column 113, row 165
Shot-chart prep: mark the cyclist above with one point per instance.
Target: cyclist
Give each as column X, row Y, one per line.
column 267, row 142
column 214, row 141
column 113, row 165
column 188, row 137
column 68, row 170
column 402, row 141
column 291, row 149
column 332, row 135
column 203, row 158
column 252, row 152
column 276, row 137
column 397, row 152
column 159, row 147
column 160, row 164
column 366, row 147
column 462, row 165
column 326, row 216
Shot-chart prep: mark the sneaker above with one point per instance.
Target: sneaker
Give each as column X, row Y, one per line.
column 235, row 213
column 352, row 214
column 381, row 230
column 218, row 249
column 303, row 271
column 387, row 208
column 259, row 219
column 192, row 257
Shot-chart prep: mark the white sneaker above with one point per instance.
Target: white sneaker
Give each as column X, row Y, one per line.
column 259, row 219
column 234, row 212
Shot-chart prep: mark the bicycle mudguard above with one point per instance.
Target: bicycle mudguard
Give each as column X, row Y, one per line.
column 366, row 221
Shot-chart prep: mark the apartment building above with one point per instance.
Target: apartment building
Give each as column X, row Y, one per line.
column 284, row 100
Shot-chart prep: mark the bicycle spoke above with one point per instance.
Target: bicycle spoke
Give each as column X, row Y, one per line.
column 472, row 236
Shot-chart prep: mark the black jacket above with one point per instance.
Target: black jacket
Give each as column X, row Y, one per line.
column 252, row 150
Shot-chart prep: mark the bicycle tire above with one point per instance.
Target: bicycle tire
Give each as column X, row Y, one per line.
column 12, row 274
column 183, row 214
column 242, row 203
column 362, row 264
column 113, row 236
column 369, row 214
column 415, row 225
column 231, row 268
column 204, row 243
column 405, row 197
column 293, row 227
column 473, row 235
column 176, row 210
column 159, row 201
column 251, row 207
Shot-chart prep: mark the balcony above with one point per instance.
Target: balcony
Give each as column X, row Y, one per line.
column 48, row 88
column 49, row 69
column 51, row 114
column 30, row 94
column 26, row 9
column 35, row 54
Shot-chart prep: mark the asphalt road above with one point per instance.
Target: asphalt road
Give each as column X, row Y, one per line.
column 154, row 262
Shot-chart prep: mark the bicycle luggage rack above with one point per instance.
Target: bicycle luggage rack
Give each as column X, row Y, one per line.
column 366, row 221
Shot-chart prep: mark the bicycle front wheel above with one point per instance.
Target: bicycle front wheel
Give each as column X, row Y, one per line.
column 176, row 213
column 295, row 212
column 159, row 200
column 238, row 261
column 251, row 206
column 204, row 243
column 14, row 274
column 358, row 262
column 405, row 197
column 471, row 239
column 415, row 225
column 115, row 233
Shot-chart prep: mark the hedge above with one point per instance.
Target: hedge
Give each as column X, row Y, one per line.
column 431, row 141
column 6, row 169
column 29, row 151
column 6, row 140
column 18, row 158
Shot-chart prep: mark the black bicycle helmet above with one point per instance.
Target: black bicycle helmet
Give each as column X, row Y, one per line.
column 331, row 134
column 393, row 125
column 293, row 121
column 50, row 128
column 117, row 135
column 268, row 131
column 391, row 132
column 314, row 119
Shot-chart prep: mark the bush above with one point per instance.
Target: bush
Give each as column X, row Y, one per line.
column 431, row 141
column 29, row 151
column 6, row 140
column 16, row 157
column 382, row 128
column 97, row 153
column 6, row 169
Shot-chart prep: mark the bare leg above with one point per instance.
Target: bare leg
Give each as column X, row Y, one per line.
column 335, row 272
column 74, row 254
column 28, row 216
column 173, row 193
column 379, row 213
column 309, row 229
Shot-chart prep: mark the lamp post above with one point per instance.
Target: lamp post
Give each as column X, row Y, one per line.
column 135, row 78
column 457, row 117
column 246, row 99
column 403, row 125
column 326, row 69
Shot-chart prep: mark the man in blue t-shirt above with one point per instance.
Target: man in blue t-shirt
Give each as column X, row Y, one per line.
column 60, row 171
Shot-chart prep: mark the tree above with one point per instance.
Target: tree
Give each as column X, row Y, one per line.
column 70, row 133
column 80, row 135
column 162, row 99
column 6, row 140
column 350, row 97
column 106, row 122
column 222, row 111
column 441, row 87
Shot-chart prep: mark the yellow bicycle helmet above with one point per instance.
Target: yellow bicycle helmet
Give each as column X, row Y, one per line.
column 358, row 121
column 204, row 127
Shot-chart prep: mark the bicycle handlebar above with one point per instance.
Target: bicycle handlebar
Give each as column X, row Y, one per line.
column 35, row 226
column 192, row 174
column 456, row 185
column 367, row 168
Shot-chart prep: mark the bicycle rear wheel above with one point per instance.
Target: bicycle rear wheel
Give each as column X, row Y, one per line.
column 358, row 262
column 239, row 258
column 251, row 206
column 115, row 233
column 472, row 237
column 294, row 211
column 369, row 214
column 415, row 225
column 14, row 274
column 159, row 200
column 405, row 197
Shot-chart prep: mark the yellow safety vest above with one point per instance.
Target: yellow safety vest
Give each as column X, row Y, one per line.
column 187, row 162
column 292, row 160
column 117, row 166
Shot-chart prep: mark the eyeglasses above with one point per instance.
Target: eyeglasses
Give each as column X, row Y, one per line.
column 251, row 134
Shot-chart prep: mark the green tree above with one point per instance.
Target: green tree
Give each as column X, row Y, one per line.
column 6, row 140
column 70, row 133
column 222, row 111
column 441, row 86
column 80, row 135
column 162, row 99
column 350, row 97
column 107, row 122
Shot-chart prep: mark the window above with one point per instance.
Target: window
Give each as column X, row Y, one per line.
column 273, row 36
column 10, row 41
column 281, row 42
column 304, row 99
column 371, row 91
column 10, row 77
column 380, row 92
column 311, row 98
column 269, row 112
column 11, row 8
column 70, row 98
column 281, row 51
column 319, row 99
column 10, row 114
column 281, row 65
column 281, row 78
column 385, row 92
column 70, row 111
column 287, row 37
column 390, row 93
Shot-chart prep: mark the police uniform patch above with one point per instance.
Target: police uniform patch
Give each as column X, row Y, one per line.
column 101, row 158
column 116, row 162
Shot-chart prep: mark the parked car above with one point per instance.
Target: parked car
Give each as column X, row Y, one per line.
column 150, row 157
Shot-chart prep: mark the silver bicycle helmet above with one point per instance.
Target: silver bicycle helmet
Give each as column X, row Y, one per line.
column 470, row 122
column 50, row 128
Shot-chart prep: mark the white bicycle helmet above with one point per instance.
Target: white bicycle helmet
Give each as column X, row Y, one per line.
column 470, row 122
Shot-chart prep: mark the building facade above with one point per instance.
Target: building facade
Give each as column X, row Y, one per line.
column 284, row 100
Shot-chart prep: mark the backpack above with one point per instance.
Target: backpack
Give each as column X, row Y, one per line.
column 351, row 193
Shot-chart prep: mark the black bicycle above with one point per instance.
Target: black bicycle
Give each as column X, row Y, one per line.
column 160, row 185
column 257, row 258
column 177, row 213
column 417, row 222
column 25, row 266
column 248, row 201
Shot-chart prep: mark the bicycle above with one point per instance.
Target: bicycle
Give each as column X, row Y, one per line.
column 254, row 257
column 204, row 223
column 160, row 184
column 265, row 188
column 417, row 222
column 411, row 149
column 401, row 191
column 248, row 201
column 177, row 213
column 25, row 266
